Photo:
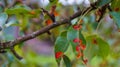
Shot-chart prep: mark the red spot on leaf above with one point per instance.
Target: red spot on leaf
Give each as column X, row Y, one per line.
column 110, row 16
column 76, row 40
column 77, row 27
column 32, row 12
column 85, row 61
column 94, row 41
column 58, row 54
column 117, row 9
column 78, row 48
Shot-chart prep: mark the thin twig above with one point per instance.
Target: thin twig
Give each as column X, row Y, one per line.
column 15, row 54
column 50, row 15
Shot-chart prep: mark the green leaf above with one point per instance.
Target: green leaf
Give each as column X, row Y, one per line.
column 3, row 18
column 71, row 35
column 53, row 1
column 101, row 49
column 91, row 49
column 103, row 2
column 116, row 16
column 61, row 44
column 18, row 9
column 67, row 61
column 73, row 47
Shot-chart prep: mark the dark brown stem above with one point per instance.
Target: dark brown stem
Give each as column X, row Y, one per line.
column 102, row 10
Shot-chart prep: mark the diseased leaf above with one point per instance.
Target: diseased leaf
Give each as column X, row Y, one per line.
column 71, row 35
column 115, row 4
column 61, row 44
column 74, row 36
column 100, row 48
column 91, row 49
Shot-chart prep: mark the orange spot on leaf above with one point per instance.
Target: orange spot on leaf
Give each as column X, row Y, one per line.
column 82, row 46
column 80, row 41
column 56, row 13
column 32, row 12
column 79, row 55
column 48, row 22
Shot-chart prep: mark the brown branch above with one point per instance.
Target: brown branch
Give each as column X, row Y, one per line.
column 8, row 45
column 102, row 11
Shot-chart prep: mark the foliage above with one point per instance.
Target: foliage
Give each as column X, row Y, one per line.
column 81, row 41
